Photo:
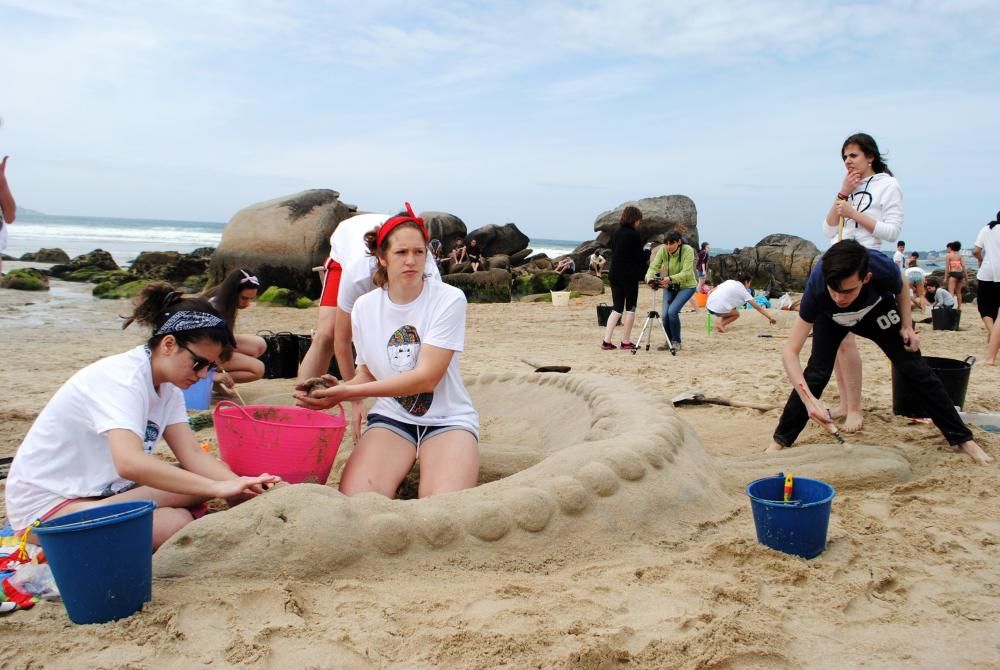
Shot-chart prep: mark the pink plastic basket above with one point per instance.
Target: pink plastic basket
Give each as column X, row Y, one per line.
column 295, row 443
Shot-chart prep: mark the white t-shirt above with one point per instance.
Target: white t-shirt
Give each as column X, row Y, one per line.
column 880, row 198
column 356, row 279
column 66, row 453
column 348, row 239
column 915, row 275
column 899, row 258
column 989, row 241
column 943, row 298
column 388, row 338
column 727, row 296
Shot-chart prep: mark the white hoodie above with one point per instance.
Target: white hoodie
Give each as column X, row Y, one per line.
column 880, row 198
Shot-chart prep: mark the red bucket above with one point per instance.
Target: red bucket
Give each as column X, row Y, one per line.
column 295, row 443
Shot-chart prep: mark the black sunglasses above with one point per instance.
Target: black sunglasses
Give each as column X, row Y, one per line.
column 199, row 362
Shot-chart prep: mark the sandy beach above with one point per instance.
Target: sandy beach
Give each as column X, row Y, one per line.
column 610, row 531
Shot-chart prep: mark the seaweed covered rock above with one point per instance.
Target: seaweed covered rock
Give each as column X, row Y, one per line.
column 85, row 266
column 585, row 284
column 25, row 279
column 171, row 266
column 483, row 286
column 46, row 256
column 111, row 291
column 276, row 295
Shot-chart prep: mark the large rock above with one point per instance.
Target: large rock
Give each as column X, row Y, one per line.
column 46, row 256
column 483, row 286
column 85, row 266
column 779, row 262
column 585, row 283
column 25, row 279
column 495, row 240
column 281, row 240
column 446, row 227
column 660, row 215
column 170, row 266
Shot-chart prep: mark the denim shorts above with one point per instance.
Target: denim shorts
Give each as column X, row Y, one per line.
column 411, row 432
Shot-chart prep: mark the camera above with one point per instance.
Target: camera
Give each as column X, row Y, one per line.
column 655, row 281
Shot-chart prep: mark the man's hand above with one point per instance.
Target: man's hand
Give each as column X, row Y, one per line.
column 911, row 339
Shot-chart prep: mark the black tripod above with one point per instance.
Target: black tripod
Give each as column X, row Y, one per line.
column 652, row 316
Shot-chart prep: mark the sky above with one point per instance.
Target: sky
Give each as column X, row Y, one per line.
column 542, row 113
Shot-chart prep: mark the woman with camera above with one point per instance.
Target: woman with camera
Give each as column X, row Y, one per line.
column 672, row 269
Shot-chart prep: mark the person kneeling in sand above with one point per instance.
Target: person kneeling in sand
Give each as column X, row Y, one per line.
column 725, row 298
column 856, row 290
column 408, row 333
column 92, row 445
column 236, row 292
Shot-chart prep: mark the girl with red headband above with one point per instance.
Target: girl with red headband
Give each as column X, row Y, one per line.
column 408, row 334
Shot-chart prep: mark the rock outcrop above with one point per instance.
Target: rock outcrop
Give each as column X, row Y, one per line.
column 778, row 262
column 660, row 215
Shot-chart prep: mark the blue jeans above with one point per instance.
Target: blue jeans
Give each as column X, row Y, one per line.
column 673, row 300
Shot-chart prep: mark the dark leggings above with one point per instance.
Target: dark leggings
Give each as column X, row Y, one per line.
column 624, row 296
column 882, row 326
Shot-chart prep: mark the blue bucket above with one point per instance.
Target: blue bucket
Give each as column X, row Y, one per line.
column 102, row 559
column 199, row 394
column 797, row 527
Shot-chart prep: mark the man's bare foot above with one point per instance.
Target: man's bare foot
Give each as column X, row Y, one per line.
column 853, row 422
column 774, row 448
column 720, row 329
column 976, row 452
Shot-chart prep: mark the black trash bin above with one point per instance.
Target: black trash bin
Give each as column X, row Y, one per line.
column 953, row 374
column 603, row 312
column 945, row 318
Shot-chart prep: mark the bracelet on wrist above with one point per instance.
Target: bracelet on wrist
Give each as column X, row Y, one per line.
column 841, row 196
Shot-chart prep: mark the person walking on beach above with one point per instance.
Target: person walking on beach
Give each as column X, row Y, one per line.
column 628, row 262
column 408, row 333
column 987, row 252
column 852, row 289
column 8, row 208
column 869, row 209
column 731, row 294
column 675, row 262
column 93, row 443
column 235, row 293
column 955, row 267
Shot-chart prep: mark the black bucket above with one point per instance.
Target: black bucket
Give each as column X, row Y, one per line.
column 952, row 373
column 603, row 312
column 946, row 318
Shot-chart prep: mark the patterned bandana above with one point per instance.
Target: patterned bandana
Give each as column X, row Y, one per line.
column 184, row 321
column 389, row 225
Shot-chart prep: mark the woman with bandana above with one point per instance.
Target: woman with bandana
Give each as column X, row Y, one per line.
column 408, row 334
column 236, row 292
column 869, row 209
column 93, row 443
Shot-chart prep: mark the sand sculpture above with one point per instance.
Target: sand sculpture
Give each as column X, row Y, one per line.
column 555, row 449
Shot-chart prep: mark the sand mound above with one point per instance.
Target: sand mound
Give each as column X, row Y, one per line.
column 556, row 449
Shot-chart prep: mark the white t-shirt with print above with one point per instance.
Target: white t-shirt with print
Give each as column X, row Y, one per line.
column 388, row 339
column 989, row 241
column 348, row 239
column 66, row 453
column 356, row 279
column 727, row 296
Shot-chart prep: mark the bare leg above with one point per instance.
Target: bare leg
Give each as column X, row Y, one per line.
column 848, row 372
column 988, row 322
column 243, row 368
column 378, row 464
column 317, row 360
column 720, row 326
column 609, row 331
column 627, row 324
column 976, row 452
column 448, row 462
column 994, row 344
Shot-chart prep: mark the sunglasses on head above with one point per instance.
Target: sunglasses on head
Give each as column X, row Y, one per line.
column 199, row 362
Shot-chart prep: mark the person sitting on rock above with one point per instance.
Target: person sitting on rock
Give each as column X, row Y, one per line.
column 727, row 297
column 565, row 264
column 475, row 254
column 236, row 292
column 597, row 262
column 459, row 254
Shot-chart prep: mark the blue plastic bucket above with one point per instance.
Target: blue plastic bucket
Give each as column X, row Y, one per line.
column 102, row 559
column 797, row 527
column 199, row 394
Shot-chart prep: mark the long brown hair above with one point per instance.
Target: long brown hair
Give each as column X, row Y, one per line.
column 158, row 300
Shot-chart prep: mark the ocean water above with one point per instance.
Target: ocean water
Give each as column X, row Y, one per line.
column 127, row 238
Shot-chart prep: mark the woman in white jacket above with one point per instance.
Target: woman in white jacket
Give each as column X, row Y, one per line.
column 868, row 208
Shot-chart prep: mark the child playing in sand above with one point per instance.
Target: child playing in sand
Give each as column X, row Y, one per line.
column 236, row 292
column 856, row 290
column 92, row 444
column 727, row 296
column 408, row 333
column 942, row 298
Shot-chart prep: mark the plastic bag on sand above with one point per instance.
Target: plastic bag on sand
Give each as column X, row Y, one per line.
column 784, row 302
column 35, row 579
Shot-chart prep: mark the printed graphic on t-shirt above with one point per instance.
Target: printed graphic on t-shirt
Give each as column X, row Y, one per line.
column 403, row 350
column 862, row 199
column 152, row 435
